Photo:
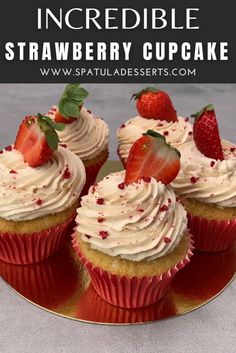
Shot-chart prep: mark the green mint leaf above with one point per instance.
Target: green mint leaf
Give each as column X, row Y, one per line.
column 68, row 108
column 73, row 91
column 52, row 139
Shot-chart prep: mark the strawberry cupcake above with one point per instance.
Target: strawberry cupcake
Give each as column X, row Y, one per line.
column 131, row 232
column 206, row 184
column 39, row 188
column 157, row 113
column 85, row 134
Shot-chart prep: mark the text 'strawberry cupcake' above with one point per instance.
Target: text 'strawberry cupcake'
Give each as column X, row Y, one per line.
column 85, row 134
column 131, row 232
column 156, row 112
column 40, row 184
column 207, row 184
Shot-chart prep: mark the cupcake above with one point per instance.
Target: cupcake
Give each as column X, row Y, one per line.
column 40, row 186
column 157, row 113
column 131, row 232
column 85, row 134
column 206, row 184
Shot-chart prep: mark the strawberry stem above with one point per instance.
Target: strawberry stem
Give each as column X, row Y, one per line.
column 207, row 108
column 145, row 90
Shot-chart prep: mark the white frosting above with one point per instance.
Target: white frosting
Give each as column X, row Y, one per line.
column 134, row 218
column 205, row 179
column 87, row 136
column 27, row 193
column 176, row 133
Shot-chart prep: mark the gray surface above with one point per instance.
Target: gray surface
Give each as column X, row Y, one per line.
column 28, row 329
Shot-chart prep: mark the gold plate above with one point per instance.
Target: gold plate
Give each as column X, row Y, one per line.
column 61, row 285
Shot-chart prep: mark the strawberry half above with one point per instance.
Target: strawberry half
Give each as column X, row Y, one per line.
column 70, row 104
column 151, row 156
column 37, row 139
column 155, row 104
column 206, row 133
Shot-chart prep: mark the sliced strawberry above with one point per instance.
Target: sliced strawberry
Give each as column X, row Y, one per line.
column 61, row 119
column 155, row 104
column 206, row 133
column 151, row 156
column 37, row 139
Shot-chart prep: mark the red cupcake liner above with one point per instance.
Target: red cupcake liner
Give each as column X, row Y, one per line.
column 130, row 292
column 121, row 159
column 212, row 235
column 91, row 174
column 23, row 249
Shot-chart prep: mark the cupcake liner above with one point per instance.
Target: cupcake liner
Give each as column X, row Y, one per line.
column 212, row 235
column 101, row 311
column 46, row 283
column 22, row 249
column 121, row 159
column 91, row 174
column 130, row 292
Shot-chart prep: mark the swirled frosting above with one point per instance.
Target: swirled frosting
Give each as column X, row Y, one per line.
column 27, row 193
column 205, row 179
column 176, row 133
column 140, row 221
column 87, row 136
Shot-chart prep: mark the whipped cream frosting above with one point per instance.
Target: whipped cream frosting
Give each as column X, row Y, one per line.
column 87, row 136
column 176, row 133
column 205, row 179
column 140, row 221
column 27, row 193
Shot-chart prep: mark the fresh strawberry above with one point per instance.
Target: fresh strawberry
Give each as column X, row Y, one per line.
column 70, row 104
column 206, row 133
column 61, row 119
column 155, row 104
column 37, row 139
column 151, row 156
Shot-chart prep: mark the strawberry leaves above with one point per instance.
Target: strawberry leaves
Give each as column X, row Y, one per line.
column 145, row 90
column 71, row 101
column 48, row 127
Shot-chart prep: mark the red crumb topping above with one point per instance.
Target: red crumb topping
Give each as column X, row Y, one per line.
column 164, row 208
column 160, row 124
column 103, row 234
column 190, row 133
column 8, row 148
column 166, row 133
column 147, row 179
column 63, row 145
column 13, row 172
column 121, row 186
column 100, row 201
column 140, row 210
column 232, row 149
column 187, row 120
column 1, row 151
column 194, row 179
column 169, row 200
column 39, row 202
column 212, row 163
column 167, row 240
column 66, row 174
column 88, row 236
column 122, row 126
column 100, row 219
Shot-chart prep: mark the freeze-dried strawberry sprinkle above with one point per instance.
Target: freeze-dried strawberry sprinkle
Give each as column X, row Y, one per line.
column 167, row 240
column 103, row 234
column 194, row 179
column 66, row 174
column 100, row 201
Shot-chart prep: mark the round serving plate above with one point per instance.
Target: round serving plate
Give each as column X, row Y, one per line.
column 61, row 285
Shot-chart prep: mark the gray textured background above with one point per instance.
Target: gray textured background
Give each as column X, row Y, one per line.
column 25, row 328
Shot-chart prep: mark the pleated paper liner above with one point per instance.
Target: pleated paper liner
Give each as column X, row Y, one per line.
column 130, row 292
column 31, row 248
column 212, row 235
column 46, row 283
column 121, row 159
column 206, row 274
column 91, row 174
column 101, row 311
